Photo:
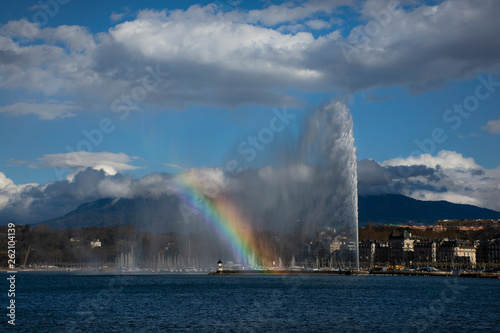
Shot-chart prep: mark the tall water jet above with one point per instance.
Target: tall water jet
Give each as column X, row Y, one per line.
column 328, row 145
column 308, row 191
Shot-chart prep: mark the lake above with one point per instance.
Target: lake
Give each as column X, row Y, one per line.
column 64, row 302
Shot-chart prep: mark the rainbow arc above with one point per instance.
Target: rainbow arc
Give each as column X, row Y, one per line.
column 220, row 215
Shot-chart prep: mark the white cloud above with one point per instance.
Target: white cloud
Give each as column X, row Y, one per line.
column 451, row 197
column 48, row 110
column 204, row 37
column 293, row 12
column 234, row 58
column 444, row 159
column 171, row 165
column 76, row 38
column 110, row 163
column 492, row 126
column 6, row 188
column 117, row 16
column 317, row 24
column 10, row 192
column 111, row 188
column 57, row 62
column 293, row 28
column 210, row 180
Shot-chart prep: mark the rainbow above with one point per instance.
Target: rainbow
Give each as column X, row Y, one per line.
column 223, row 217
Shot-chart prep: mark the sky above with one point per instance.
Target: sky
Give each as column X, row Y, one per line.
column 139, row 89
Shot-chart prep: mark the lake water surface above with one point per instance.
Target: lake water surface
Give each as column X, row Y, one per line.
column 62, row 302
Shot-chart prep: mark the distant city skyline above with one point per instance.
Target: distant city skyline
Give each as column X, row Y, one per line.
column 141, row 90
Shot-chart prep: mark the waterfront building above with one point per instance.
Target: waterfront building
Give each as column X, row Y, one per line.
column 425, row 251
column 457, row 251
column 337, row 244
column 381, row 252
column 493, row 251
column 400, row 247
column 476, row 224
column 367, row 253
column 488, row 252
column 373, row 252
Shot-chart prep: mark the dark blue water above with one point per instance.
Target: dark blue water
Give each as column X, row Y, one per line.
column 261, row 303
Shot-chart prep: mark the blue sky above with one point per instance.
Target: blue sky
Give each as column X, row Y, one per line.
column 223, row 69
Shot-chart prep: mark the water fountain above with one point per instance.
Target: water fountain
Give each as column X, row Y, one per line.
column 328, row 145
column 303, row 205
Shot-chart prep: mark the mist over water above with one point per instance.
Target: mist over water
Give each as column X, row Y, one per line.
column 309, row 202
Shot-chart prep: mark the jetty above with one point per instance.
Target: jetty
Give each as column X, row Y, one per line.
column 287, row 272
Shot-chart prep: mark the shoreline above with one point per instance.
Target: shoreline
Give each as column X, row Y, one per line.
column 92, row 271
column 356, row 273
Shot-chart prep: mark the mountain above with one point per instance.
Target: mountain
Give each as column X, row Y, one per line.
column 163, row 214
column 148, row 214
column 395, row 209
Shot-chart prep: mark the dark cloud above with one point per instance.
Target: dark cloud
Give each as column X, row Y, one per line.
column 477, row 172
column 371, row 174
column 36, row 203
column 447, row 176
column 411, row 171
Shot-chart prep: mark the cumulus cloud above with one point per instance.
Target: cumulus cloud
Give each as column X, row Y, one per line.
column 444, row 159
column 9, row 191
column 110, row 163
column 33, row 203
column 6, row 188
column 416, row 48
column 492, row 126
column 222, row 58
column 448, row 176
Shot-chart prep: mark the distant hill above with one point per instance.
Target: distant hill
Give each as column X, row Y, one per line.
column 148, row 214
column 163, row 214
column 395, row 209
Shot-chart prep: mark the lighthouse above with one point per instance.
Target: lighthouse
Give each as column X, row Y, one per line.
column 219, row 266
